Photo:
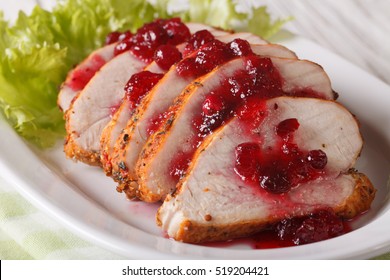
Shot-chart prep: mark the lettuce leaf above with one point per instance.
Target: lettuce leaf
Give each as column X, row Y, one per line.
column 38, row 50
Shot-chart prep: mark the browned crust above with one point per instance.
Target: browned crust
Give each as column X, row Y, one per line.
column 118, row 160
column 155, row 143
column 130, row 189
column 105, row 139
column 193, row 232
column 73, row 151
column 361, row 198
column 119, row 168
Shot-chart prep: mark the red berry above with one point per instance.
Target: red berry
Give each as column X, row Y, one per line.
column 317, row 159
column 140, row 84
column 125, row 36
column 206, row 58
column 318, row 226
column 166, row 55
column 213, row 104
column 116, row 36
column 321, row 225
column 147, row 39
column 151, row 34
column 177, row 31
column 112, row 37
column 240, row 47
column 276, row 180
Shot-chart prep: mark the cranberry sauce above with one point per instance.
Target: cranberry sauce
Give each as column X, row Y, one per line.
column 320, row 225
column 149, row 37
column 279, row 168
column 197, row 40
column 115, row 37
column 167, row 55
column 139, row 85
column 258, row 79
column 157, row 121
column 211, row 54
column 82, row 75
column 243, row 95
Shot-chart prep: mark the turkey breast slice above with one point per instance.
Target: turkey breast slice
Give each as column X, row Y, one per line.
column 213, row 203
column 85, row 70
column 119, row 119
column 91, row 110
column 131, row 140
column 176, row 136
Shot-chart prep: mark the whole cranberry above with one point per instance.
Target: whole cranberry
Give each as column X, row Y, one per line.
column 240, row 47
column 213, row 104
column 317, row 159
column 177, row 31
column 166, row 55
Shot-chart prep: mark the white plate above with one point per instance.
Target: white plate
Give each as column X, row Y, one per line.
column 85, row 200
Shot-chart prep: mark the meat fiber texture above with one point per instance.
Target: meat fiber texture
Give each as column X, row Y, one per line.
column 176, row 134
column 119, row 120
column 90, row 109
column 134, row 136
column 212, row 203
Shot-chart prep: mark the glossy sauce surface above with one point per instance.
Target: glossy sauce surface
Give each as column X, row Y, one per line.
column 144, row 43
column 240, row 95
column 281, row 167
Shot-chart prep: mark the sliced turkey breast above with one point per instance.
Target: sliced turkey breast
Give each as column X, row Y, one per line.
column 150, row 112
column 84, row 71
column 119, row 119
column 177, row 139
column 92, row 109
column 230, row 192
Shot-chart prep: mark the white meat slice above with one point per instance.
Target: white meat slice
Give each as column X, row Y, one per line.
column 91, row 111
column 213, row 203
column 129, row 145
column 118, row 122
column 176, row 136
column 104, row 54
